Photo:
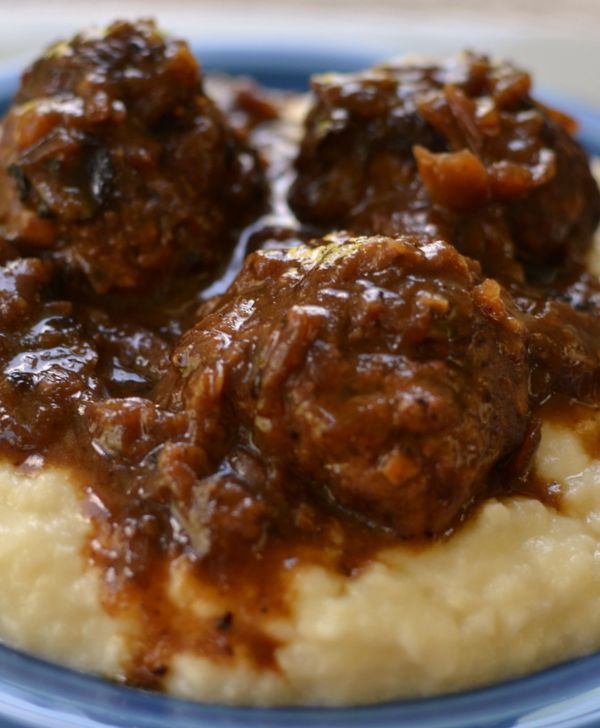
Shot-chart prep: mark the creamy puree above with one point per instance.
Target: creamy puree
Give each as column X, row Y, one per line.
column 418, row 622
column 515, row 589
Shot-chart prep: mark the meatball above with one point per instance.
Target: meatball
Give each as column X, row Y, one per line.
column 385, row 374
column 114, row 162
column 458, row 150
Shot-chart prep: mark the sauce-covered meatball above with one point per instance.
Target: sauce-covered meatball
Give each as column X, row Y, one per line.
column 385, row 373
column 458, row 149
column 115, row 163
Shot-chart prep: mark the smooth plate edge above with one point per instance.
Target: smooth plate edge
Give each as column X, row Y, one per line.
column 32, row 689
column 35, row 693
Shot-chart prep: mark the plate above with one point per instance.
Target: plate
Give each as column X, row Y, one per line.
column 37, row 694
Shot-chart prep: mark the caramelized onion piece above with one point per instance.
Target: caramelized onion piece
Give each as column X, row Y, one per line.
column 493, row 172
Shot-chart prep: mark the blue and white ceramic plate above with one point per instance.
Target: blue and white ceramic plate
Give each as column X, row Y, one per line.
column 37, row 694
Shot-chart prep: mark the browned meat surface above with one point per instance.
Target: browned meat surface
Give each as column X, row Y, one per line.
column 384, row 372
column 458, row 150
column 115, row 163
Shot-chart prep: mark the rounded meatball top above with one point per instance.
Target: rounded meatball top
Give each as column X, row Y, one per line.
column 385, row 374
column 458, row 149
column 115, row 163
column 135, row 64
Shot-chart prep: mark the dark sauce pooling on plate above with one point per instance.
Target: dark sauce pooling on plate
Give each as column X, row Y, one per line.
column 240, row 387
